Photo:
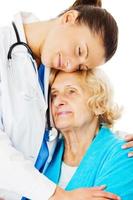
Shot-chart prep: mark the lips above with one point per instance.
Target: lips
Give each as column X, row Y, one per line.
column 63, row 113
column 59, row 63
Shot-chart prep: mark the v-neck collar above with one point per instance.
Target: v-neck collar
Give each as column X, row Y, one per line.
column 87, row 164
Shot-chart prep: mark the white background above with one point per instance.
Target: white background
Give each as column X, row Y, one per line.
column 119, row 69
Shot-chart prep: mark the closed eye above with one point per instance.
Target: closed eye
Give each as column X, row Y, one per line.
column 87, row 51
column 80, row 51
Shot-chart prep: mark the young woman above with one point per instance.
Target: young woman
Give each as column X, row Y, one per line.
column 82, row 37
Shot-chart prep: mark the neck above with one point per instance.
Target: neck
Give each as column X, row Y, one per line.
column 36, row 34
column 77, row 142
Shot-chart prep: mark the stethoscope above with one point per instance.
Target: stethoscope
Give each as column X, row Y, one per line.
column 19, row 42
column 50, row 136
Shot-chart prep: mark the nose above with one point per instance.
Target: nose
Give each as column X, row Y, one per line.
column 74, row 64
column 69, row 66
column 59, row 100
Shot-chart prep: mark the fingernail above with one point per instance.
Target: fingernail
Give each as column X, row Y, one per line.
column 104, row 186
column 118, row 198
column 123, row 147
column 126, row 137
column 130, row 155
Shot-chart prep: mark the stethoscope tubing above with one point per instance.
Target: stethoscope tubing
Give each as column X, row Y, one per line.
column 19, row 42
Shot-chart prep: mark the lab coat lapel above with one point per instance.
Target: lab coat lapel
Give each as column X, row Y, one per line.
column 23, row 80
column 25, row 63
column 23, row 18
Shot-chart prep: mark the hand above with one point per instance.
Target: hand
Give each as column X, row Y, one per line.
column 129, row 144
column 95, row 193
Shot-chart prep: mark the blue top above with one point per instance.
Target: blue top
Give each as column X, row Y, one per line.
column 104, row 163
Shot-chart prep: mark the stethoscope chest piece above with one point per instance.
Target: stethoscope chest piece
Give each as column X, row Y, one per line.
column 52, row 135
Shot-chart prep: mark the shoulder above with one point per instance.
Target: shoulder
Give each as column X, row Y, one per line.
column 114, row 159
column 5, row 32
column 5, row 40
column 111, row 140
column 109, row 145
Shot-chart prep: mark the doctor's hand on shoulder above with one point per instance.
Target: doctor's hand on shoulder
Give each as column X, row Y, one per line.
column 129, row 144
column 95, row 193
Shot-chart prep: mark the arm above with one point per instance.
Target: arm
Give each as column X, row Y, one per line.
column 95, row 193
column 18, row 174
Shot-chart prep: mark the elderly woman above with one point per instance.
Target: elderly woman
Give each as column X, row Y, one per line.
column 88, row 153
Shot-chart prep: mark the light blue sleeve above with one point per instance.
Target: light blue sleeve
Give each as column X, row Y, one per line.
column 117, row 173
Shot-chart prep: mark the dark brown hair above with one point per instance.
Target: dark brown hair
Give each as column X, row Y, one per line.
column 88, row 2
column 100, row 21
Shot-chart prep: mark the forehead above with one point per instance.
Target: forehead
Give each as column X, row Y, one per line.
column 66, row 79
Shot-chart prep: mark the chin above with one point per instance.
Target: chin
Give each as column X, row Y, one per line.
column 64, row 130
column 62, row 127
column 46, row 62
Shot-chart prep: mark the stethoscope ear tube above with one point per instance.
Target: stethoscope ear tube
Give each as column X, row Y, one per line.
column 19, row 42
column 9, row 55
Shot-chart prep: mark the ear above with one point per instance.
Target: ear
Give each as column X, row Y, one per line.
column 69, row 17
column 99, row 111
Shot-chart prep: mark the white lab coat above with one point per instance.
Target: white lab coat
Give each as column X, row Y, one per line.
column 22, row 119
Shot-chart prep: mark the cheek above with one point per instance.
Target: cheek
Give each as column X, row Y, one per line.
column 45, row 56
column 53, row 110
column 48, row 50
column 82, row 111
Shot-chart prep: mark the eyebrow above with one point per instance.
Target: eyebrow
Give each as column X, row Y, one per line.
column 67, row 86
column 87, row 51
column 53, row 90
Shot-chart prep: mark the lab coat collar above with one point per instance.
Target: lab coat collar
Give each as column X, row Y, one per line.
column 23, row 18
column 19, row 19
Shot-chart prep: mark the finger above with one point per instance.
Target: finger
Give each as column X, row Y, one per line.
column 97, row 188
column 101, row 198
column 107, row 195
column 130, row 154
column 96, row 198
column 129, row 137
column 101, row 187
column 127, row 145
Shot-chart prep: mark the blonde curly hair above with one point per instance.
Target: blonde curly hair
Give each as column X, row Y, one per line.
column 100, row 94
